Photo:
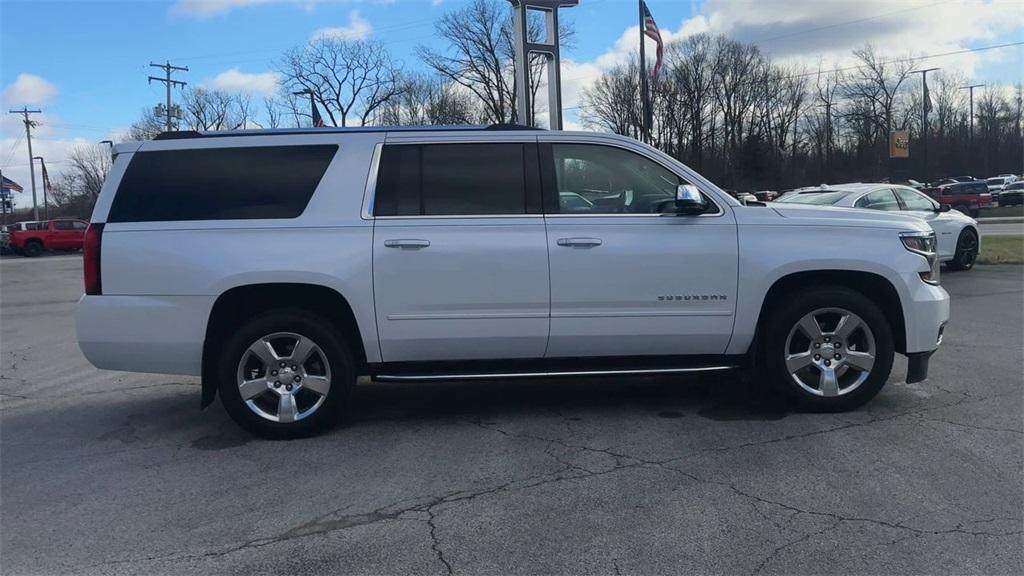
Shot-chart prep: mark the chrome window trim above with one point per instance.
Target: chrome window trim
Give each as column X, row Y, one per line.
column 370, row 190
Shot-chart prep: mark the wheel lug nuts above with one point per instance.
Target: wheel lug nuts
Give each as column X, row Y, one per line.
column 282, row 364
column 288, row 387
column 273, row 372
column 817, row 345
column 295, row 367
column 817, row 357
column 838, row 357
column 828, row 363
column 298, row 378
column 277, row 384
column 827, row 339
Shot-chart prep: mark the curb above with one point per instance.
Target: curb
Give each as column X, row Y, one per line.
column 1001, row 220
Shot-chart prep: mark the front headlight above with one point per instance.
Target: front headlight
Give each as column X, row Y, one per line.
column 924, row 243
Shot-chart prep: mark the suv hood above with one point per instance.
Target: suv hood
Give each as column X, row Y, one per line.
column 835, row 216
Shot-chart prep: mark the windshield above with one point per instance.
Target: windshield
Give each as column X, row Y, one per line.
column 996, row 180
column 820, row 198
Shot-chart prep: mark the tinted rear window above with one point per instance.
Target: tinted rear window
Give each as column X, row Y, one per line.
column 220, row 183
column 457, row 179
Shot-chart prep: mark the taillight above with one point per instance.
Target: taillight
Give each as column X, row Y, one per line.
column 91, row 259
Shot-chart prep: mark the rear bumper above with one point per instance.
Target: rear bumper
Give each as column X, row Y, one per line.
column 162, row 334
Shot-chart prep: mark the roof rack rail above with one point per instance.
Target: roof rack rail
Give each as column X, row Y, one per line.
column 511, row 127
column 186, row 134
column 180, row 135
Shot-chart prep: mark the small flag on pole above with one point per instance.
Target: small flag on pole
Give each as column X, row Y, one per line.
column 318, row 121
column 652, row 32
column 11, row 186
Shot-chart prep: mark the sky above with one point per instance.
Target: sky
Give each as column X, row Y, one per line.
column 85, row 63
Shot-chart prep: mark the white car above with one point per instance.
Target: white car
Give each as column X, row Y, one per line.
column 280, row 265
column 958, row 234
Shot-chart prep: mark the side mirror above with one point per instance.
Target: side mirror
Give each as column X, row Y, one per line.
column 689, row 200
column 944, row 208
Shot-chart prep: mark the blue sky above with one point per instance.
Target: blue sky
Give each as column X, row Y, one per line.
column 85, row 63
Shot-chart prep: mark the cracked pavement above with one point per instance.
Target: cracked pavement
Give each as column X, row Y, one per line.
column 113, row 473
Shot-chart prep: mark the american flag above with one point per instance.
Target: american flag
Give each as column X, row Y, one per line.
column 318, row 121
column 11, row 185
column 652, row 32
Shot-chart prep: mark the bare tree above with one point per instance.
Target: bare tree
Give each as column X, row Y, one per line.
column 350, row 79
column 428, row 100
column 481, row 55
column 612, row 102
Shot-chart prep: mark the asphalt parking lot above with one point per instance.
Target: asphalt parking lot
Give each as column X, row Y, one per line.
column 111, row 473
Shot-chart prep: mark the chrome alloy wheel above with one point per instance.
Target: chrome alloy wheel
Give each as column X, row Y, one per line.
column 830, row 352
column 284, row 377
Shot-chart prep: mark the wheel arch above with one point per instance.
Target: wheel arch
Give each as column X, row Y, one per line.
column 874, row 286
column 241, row 302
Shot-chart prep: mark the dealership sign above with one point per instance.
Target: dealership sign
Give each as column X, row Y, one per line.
column 899, row 144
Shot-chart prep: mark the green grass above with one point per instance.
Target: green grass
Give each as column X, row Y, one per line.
column 1001, row 212
column 1002, row 250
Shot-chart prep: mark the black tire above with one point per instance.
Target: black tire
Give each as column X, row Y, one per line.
column 785, row 316
column 33, row 248
column 335, row 350
column 966, row 251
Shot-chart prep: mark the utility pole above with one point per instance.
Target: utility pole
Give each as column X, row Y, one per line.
column 46, row 187
column 168, row 83
column 31, row 166
column 4, row 195
column 926, row 105
column 970, row 89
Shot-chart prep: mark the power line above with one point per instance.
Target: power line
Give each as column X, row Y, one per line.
column 847, row 23
column 912, row 59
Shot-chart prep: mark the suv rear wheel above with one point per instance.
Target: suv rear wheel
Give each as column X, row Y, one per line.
column 829, row 349
column 285, row 374
column 33, row 248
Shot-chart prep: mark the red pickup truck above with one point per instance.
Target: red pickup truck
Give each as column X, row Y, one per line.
column 57, row 234
column 967, row 197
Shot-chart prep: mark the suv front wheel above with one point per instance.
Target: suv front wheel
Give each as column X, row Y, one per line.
column 829, row 349
column 285, row 374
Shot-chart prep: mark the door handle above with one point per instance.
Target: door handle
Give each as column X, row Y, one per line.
column 407, row 243
column 580, row 242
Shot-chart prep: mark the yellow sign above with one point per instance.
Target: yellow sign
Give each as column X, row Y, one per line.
column 899, row 144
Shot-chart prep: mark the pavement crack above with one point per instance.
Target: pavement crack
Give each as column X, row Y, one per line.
column 435, row 544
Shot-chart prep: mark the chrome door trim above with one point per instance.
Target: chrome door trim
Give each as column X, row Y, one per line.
column 544, row 374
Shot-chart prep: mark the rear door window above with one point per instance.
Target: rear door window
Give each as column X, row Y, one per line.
column 458, row 180
column 879, row 200
column 220, row 183
column 913, row 200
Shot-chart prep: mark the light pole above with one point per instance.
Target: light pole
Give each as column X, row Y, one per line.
column 926, row 105
column 46, row 186
column 312, row 103
column 970, row 140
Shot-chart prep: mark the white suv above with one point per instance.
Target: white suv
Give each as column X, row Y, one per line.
column 281, row 265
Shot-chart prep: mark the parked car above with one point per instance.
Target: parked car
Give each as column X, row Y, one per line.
column 954, row 180
column 56, row 234
column 260, row 262
column 958, row 235
column 967, row 197
column 1012, row 195
column 765, row 195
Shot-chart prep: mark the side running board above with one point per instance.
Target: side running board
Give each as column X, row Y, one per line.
column 544, row 374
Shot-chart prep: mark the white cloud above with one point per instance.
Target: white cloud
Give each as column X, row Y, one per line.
column 28, row 89
column 234, row 80
column 436, row 2
column 358, row 29
column 806, row 32
column 204, row 9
